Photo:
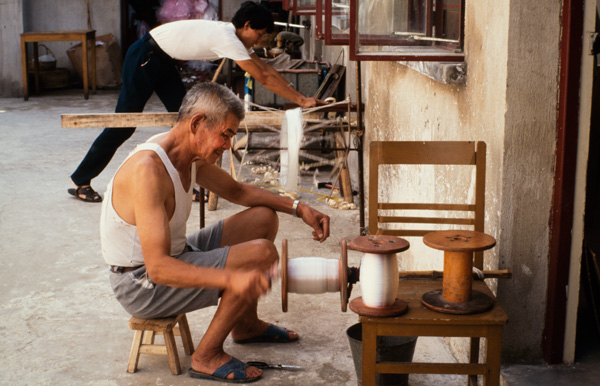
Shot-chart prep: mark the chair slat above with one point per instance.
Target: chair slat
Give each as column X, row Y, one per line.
column 426, row 220
column 417, row 206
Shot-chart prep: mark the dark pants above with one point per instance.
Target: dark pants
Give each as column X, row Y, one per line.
column 146, row 69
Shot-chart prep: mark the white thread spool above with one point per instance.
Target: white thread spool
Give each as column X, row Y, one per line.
column 379, row 279
column 313, row 275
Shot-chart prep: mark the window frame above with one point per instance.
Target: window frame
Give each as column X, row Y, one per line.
column 304, row 9
column 443, row 51
column 330, row 38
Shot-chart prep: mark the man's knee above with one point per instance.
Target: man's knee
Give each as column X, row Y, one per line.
column 267, row 251
column 266, row 218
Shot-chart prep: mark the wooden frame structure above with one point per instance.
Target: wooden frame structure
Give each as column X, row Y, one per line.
column 255, row 122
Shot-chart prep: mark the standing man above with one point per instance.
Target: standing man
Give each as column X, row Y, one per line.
column 149, row 67
column 156, row 272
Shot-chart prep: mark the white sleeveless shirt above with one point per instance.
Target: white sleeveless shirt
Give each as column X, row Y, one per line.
column 120, row 241
column 200, row 40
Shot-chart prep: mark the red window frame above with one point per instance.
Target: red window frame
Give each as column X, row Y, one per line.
column 300, row 9
column 407, row 49
column 331, row 38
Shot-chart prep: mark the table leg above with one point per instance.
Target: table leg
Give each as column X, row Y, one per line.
column 36, row 67
column 369, row 354
column 84, row 59
column 493, row 352
column 24, row 65
column 94, row 63
column 474, row 358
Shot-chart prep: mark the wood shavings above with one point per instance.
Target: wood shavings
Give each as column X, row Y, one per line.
column 340, row 204
column 263, row 169
column 289, row 193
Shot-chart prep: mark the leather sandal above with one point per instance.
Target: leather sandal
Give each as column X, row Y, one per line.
column 85, row 193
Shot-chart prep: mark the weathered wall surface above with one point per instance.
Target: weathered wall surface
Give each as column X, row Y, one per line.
column 11, row 25
column 508, row 101
column 528, row 168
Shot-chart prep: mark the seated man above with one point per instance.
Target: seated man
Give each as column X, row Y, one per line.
column 156, row 272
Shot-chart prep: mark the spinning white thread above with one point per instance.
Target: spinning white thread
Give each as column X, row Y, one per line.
column 379, row 279
column 291, row 134
column 313, row 275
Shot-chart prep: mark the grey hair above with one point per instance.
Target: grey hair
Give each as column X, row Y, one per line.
column 213, row 100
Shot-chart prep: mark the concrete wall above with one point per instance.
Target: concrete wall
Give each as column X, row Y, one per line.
column 508, row 101
column 11, row 25
column 528, row 169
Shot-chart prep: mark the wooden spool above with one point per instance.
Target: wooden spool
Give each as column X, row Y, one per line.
column 344, row 286
column 456, row 295
column 380, row 245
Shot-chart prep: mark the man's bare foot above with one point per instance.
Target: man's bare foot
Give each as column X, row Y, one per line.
column 206, row 367
column 267, row 333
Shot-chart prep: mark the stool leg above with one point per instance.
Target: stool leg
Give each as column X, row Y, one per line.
column 134, row 355
column 186, row 336
column 172, row 353
column 149, row 337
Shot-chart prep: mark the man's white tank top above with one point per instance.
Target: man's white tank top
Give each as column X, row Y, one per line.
column 120, row 241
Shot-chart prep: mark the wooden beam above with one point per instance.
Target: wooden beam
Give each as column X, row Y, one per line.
column 254, row 119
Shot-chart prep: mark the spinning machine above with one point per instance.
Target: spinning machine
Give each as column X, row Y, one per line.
column 378, row 275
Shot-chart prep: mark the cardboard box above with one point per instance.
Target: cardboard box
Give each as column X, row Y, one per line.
column 108, row 61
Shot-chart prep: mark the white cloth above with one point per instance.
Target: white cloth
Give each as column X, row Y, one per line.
column 200, row 40
column 120, row 241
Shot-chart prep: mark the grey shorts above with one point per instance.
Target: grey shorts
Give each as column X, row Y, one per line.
column 142, row 298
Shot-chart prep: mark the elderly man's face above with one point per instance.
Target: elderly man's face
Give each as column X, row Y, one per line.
column 217, row 139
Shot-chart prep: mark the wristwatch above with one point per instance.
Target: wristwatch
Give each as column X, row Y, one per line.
column 295, row 208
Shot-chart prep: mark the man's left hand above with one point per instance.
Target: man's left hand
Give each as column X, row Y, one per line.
column 317, row 220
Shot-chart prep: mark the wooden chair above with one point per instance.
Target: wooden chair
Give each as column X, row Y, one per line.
column 145, row 332
column 426, row 153
column 462, row 214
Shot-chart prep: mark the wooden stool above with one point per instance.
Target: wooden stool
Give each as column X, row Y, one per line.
column 146, row 329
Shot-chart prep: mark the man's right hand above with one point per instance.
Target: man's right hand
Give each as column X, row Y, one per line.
column 249, row 285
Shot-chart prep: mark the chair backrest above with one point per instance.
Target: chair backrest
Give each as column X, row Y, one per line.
column 450, row 214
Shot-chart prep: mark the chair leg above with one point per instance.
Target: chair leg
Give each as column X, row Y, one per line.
column 172, row 353
column 134, row 355
column 186, row 336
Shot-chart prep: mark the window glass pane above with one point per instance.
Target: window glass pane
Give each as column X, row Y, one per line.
column 451, row 19
column 337, row 22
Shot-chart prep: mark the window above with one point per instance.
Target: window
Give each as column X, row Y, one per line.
column 305, row 7
column 406, row 30
column 337, row 22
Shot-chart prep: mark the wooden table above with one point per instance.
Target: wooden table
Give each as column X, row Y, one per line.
column 85, row 36
column 421, row 321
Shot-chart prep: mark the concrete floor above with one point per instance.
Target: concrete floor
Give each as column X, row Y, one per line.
column 59, row 322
